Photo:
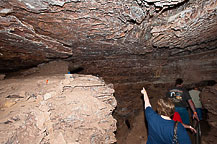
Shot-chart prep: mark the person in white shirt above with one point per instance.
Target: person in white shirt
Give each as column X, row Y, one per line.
column 195, row 96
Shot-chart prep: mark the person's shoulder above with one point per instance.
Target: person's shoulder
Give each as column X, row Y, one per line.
column 194, row 90
column 149, row 109
column 191, row 90
column 184, row 89
column 180, row 126
column 178, row 87
column 173, row 88
column 150, row 113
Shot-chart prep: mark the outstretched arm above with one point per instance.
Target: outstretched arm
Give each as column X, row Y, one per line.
column 146, row 99
column 189, row 127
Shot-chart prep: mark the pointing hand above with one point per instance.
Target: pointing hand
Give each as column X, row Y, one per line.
column 143, row 91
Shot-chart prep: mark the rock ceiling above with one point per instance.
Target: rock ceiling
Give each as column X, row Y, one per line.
column 112, row 38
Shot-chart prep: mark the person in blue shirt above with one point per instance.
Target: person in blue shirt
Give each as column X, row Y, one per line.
column 160, row 125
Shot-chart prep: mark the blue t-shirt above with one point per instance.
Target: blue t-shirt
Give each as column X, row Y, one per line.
column 160, row 131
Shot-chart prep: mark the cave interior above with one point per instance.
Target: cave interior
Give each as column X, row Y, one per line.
column 131, row 44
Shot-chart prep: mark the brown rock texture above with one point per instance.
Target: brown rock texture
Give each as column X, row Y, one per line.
column 209, row 100
column 33, row 32
column 58, row 110
column 130, row 43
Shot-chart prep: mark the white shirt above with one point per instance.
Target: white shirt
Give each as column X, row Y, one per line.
column 195, row 98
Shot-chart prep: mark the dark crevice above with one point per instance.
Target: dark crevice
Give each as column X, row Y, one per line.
column 206, row 83
column 76, row 70
column 127, row 122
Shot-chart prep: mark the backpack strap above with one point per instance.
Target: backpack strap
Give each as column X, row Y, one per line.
column 175, row 137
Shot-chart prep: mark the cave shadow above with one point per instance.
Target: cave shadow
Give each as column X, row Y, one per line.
column 77, row 70
column 127, row 122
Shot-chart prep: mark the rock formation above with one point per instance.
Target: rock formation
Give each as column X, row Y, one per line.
column 209, row 100
column 130, row 43
column 33, row 32
column 58, row 110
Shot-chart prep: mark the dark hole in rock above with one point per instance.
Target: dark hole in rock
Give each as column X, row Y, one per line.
column 207, row 83
column 77, row 70
column 127, row 122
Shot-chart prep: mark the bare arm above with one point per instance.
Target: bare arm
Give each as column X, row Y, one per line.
column 189, row 127
column 192, row 105
column 193, row 109
column 146, row 99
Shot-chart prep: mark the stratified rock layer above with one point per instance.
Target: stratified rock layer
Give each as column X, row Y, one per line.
column 127, row 42
column 57, row 110
column 37, row 31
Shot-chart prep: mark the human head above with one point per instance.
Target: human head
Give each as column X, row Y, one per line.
column 165, row 107
column 196, row 88
column 179, row 81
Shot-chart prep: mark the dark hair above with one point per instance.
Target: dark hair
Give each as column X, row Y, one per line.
column 165, row 107
column 179, row 81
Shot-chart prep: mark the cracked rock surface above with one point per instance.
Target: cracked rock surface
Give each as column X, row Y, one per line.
column 57, row 110
column 130, row 43
column 37, row 31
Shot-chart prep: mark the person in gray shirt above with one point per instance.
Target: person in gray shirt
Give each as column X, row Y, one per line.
column 195, row 96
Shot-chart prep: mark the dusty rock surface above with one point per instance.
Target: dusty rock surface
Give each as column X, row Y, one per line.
column 52, row 109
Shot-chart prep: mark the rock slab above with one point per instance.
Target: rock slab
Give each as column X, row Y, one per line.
column 52, row 109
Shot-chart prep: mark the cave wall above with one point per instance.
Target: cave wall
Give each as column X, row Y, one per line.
column 129, row 79
column 209, row 100
column 131, row 43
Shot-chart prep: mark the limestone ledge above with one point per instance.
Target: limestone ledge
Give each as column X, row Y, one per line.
column 52, row 109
